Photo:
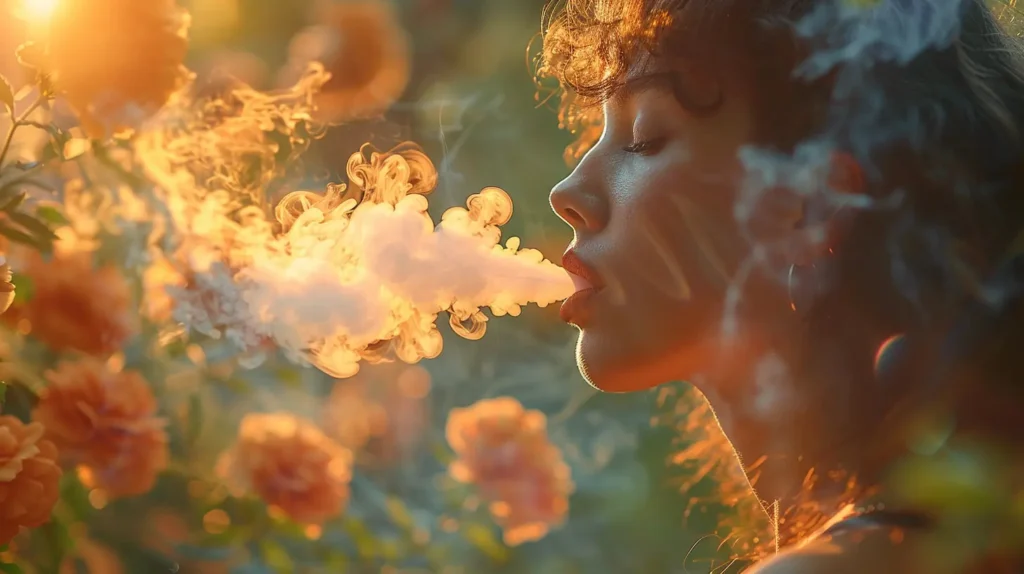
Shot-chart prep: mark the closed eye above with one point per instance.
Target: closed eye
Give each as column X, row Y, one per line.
column 646, row 147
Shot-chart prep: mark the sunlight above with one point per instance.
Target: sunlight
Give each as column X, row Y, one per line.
column 39, row 10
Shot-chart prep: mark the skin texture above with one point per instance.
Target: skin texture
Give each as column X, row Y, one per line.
column 658, row 227
column 658, row 205
column 653, row 209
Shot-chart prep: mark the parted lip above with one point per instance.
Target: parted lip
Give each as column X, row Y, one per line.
column 576, row 267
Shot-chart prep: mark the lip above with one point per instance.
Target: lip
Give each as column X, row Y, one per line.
column 576, row 308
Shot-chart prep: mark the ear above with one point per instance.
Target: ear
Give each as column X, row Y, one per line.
column 827, row 215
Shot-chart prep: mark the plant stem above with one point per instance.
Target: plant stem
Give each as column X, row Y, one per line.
column 21, row 119
column 26, row 177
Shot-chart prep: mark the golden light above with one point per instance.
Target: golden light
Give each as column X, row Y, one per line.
column 39, row 10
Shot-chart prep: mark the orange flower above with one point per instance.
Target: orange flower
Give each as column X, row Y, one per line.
column 365, row 50
column 117, row 61
column 74, row 306
column 29, row 477
column 105, row 423
column 504, row 450
column 291, row 465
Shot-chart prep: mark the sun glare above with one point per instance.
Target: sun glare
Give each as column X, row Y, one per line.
column 39, row 10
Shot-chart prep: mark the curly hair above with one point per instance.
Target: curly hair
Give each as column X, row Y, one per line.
column 589, row 45
column 940, row 134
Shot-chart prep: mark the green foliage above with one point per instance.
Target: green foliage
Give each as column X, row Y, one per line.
column 51, row 214
column 24, row 288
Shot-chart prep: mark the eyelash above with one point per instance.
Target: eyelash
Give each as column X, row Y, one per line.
column 643, row 147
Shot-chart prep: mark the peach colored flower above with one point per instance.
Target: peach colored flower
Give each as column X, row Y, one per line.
column 105, row 423
column 504, row 450
column 379, row 413
column 116, row 61
column 74, row 306
column 366, row 51
column 29, row 477
column 291, row 465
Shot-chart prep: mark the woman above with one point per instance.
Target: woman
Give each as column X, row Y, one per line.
column 811, row 209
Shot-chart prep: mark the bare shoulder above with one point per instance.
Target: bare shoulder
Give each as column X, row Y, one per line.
column 878, row 552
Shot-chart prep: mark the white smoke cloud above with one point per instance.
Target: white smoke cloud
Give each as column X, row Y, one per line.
column 357, row 273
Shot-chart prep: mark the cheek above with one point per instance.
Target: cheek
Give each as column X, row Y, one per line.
column 677, row 231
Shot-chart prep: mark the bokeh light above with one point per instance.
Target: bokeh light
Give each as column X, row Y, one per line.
column 39, row 11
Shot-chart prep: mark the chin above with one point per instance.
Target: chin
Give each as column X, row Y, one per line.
column 612, row 369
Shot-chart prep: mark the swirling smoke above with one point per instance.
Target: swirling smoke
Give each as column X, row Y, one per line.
column 357, row 273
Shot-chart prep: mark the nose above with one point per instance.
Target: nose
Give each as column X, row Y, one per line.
column 579, row 203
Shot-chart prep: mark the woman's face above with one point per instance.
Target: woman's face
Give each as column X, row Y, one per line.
column 652, row 207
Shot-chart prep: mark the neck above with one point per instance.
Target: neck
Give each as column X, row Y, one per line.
column 805, row 441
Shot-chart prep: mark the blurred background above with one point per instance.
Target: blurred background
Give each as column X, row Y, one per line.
column 461, row 75
column 456, row 77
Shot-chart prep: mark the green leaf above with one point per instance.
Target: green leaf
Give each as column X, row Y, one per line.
column 7, row 95
column 24, row 288
column 399, row 513
column 276, row 557
column 50, row 152
column 32, row 225
column 54, row 542
column 336, row 563
column 21, row 237
column 76, row 496
column 51, row 215
column 364, row 540
column 485, row 541
column 14, row 202
column 11, row 569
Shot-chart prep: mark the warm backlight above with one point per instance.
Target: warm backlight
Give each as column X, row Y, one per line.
column 39, row 10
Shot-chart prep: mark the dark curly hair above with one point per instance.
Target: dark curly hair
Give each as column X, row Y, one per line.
column 941, row 131
column 939, row 257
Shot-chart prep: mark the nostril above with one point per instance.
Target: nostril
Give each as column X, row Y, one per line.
column 573, row 217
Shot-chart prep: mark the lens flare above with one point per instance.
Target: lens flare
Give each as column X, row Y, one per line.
column 39, row 10
column 359, row 272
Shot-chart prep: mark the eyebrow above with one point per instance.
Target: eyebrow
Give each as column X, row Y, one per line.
column 672, row 83
column 657, row 81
